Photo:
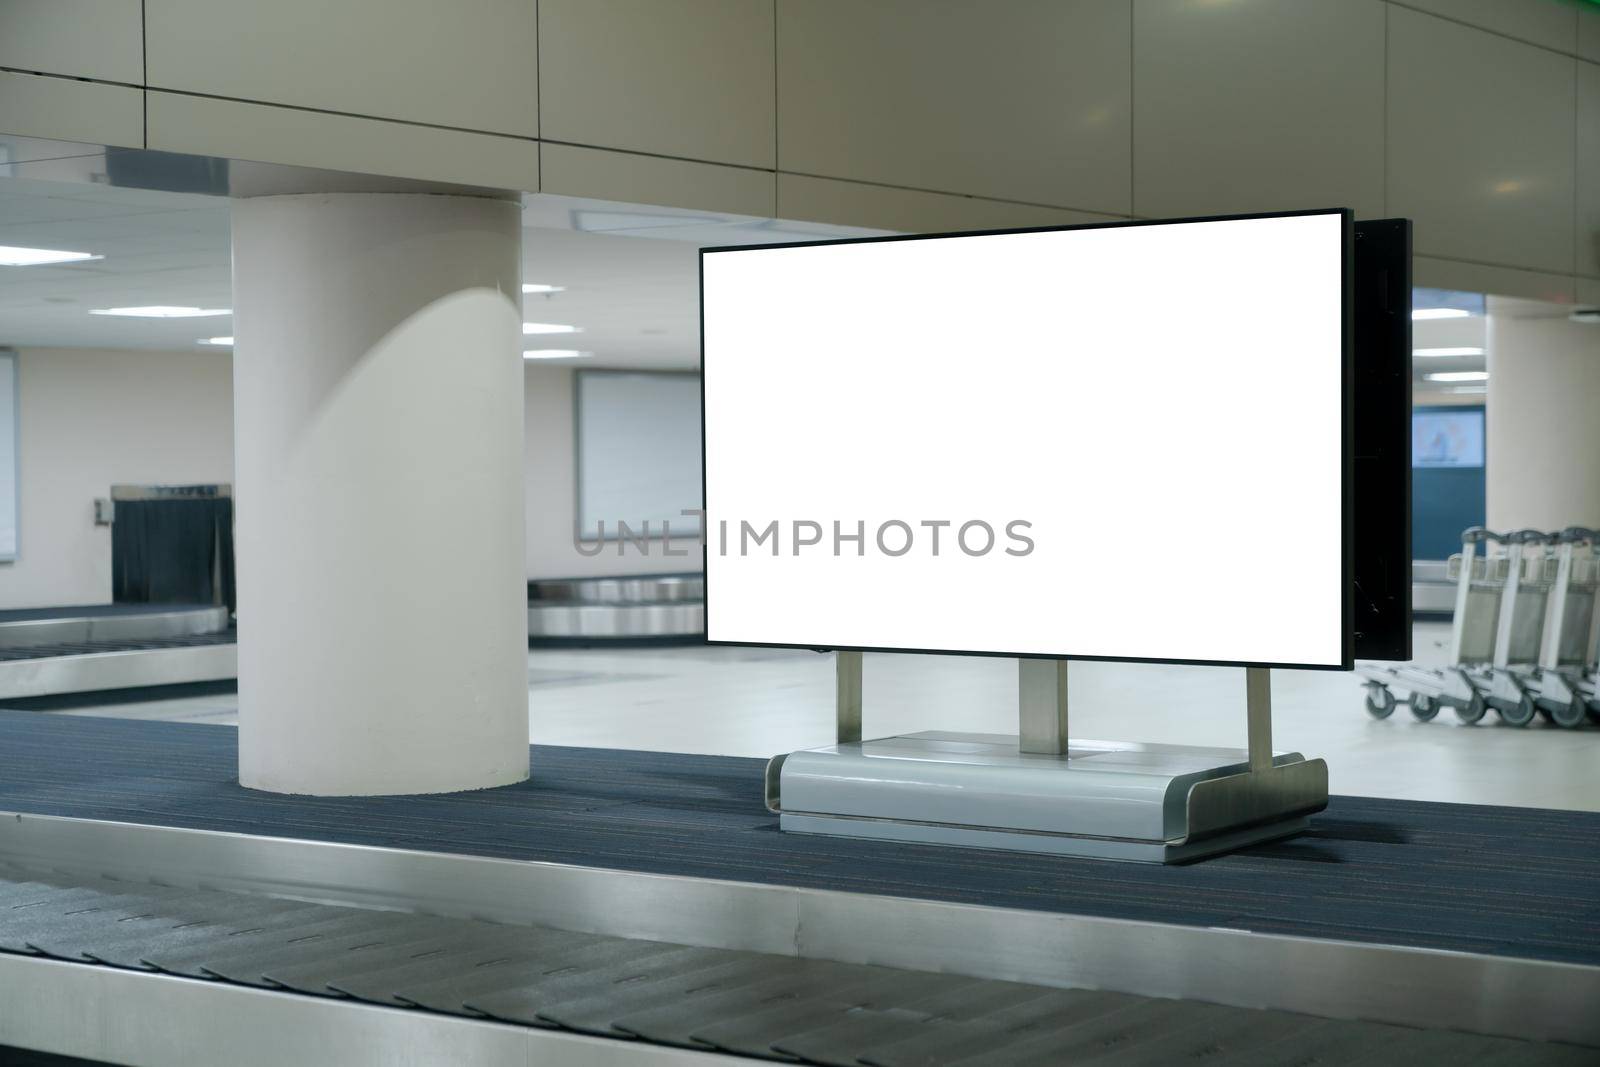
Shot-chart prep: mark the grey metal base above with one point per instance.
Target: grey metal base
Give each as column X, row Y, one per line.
column 1104, row 799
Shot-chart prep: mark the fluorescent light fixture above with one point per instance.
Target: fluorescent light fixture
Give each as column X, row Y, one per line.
column 554, row 353
column 226, row 342
column 548, row 327
column 1459, row 376
column 537, row 287
column 1468, row 351
column 163, row 311
column 12, row 256
column 1423, row 314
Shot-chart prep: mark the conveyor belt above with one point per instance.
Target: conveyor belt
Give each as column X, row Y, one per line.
column 1514, row 882
column 46, row 671
column 96, row 623
column 748, row 1003
column 89, row 648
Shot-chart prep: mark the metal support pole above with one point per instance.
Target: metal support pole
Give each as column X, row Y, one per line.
column 847, row 701
column 1258, row 715
column 1042, row 706
column 1469, row 552
column 1555, row 618
column 1508, row 606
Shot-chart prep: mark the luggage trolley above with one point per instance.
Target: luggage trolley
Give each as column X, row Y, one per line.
column 1565, row 683
column 1495, row 638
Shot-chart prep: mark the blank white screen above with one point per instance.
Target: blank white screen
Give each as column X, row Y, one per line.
column 1162, row 403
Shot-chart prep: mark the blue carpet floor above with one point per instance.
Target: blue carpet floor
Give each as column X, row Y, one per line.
column 1505, row 881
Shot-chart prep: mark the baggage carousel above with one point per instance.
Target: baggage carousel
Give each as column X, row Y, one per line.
column 633, row 907
column 645, row 609
column 59, row 651
column 86, row 648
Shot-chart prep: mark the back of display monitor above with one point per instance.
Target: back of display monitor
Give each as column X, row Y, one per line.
column 1382, row 565
column 1164, row 405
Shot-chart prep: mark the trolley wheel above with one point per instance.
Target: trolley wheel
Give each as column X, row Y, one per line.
column 1594, row 714
column 1423, row 708
column 1518, row 714
column 1474, row 711
column 1570, row 715
column 1380, row 702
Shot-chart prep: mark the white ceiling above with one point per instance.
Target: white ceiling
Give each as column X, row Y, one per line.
column 159, row 248
column 630, row 275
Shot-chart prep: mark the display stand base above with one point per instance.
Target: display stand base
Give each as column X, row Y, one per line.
column 1151, row 803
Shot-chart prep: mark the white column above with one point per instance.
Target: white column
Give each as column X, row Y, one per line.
column 378, row 477
column 1542, row 467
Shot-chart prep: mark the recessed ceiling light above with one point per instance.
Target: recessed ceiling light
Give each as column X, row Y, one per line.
column 163, row 311
column 548, row 327
column 1421, row 314
column 537, row 287
column 12, row 256
column 554, row 353
column 1459, row 376
column 224, row 341
column 1447, row 351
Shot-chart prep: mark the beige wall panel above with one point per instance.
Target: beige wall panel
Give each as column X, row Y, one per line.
column 1262, row 105
column 908, row 211
column 1012, row 99
column 1480, row 143
column 1588, row 235
column 232, row 130
column 467, row 64
column 63, row 109
column 1589, row 292
column 690, row 78
column 101, row 39
column 1551, row 23
column 602, row 175
column 1436, row 273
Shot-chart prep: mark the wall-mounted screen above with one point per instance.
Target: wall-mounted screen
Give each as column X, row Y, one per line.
column 638, row 453
column 1441, row 437
column 1123, row 441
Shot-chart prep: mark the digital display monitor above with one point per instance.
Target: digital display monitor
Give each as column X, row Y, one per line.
column 1382, row 576
column 1124, row 441
column 1441, row 437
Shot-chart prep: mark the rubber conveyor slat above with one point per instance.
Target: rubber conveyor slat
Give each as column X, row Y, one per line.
column 770, row 1006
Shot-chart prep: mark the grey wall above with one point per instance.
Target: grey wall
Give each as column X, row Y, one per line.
column 1478, row 118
